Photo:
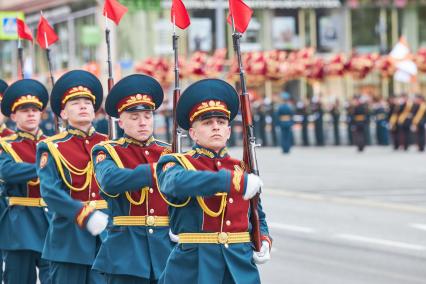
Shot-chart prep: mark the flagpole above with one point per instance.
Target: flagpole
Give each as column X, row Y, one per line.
column 20, row 58
column 57, row 121
column 177, row 131
column 112, row 122
column 249, row 140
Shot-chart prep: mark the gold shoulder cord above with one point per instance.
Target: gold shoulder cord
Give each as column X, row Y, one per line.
column 8, row 149
column 420, row 113
column 187, row 165
column 405, row 113
column 61, row 161
column 116, row 159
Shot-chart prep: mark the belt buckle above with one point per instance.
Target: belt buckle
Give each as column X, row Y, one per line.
column 150, row 220
column 92, row 203
column 222, row 238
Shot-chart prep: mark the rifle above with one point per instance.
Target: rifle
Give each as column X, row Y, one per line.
column 56, row 119
column 20, row 59
column 112, row 125
column 249, row 142
column 177, row 131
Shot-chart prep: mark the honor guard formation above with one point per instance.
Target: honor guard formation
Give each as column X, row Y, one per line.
column 98, row 198
column 79, row 208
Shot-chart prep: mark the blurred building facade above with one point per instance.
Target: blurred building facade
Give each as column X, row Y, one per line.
column 331, row 26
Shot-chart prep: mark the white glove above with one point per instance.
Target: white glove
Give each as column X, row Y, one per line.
column 262, row 256
column 174, row 238
column 254, row 183
column 97, row 223
column 413, row 128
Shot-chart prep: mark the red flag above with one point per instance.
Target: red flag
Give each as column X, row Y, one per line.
column 180, row 13
column 241, row 14
column 24, row 31
column 114, row 10
column 46, row 35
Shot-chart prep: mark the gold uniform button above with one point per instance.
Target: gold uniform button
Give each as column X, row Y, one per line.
column 151, row 211
column 46, row 210
column 87, row 141
column 228, row 223
column 150, row 220
column 231, row 200
column 222, row 238
column 146, row 152
column 151, row 190
column 151, row 231
column 219, row 163
column 93, row 194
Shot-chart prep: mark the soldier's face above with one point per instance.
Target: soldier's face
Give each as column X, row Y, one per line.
column 138, row 125
column 212, row 133
column 78, row 112
column 27, row 119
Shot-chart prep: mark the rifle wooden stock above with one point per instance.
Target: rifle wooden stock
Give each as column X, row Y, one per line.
column 248, row 141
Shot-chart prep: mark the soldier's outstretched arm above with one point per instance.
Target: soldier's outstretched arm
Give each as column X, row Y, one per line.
column 14, row 172
column 114, row 180
column 177, row 182
column 52, row 187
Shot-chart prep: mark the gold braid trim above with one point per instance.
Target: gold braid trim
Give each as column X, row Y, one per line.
column 8, row 149
column 188, row 166
column 393, row 119
column 419, row 114
column 117, row 160
column 61, row 162
column 405, row 112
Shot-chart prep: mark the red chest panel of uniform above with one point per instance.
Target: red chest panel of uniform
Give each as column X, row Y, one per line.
column 77, row 151
column 6, row 132
column 235, row 218
column 133, row 155
column 26, row 150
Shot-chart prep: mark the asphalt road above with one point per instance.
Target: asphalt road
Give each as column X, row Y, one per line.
column 339, row 216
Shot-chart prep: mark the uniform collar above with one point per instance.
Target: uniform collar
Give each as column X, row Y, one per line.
column 203, row 151
column 79, row 132
column 2, row 127
column 146, row 143
column 27, row 135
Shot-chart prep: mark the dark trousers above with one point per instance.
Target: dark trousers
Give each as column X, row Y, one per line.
column 71, row 273
column 319, row 133
column 359, row 138
column 404, row 136
column 21, row 267
column 286, row 139
column 421, row 137
column 305, row 133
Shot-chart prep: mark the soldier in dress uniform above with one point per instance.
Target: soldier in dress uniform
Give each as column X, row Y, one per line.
column 418, row 122
column 359, row 123
column 67, row 179
column 335, row 114
column 209, row 192
column 285, row 117
column 405, row 118
column 24, row 223
column 394, row 109
column 4, row 131
column 318, row 115
column 379, row 112
column 138, row 243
